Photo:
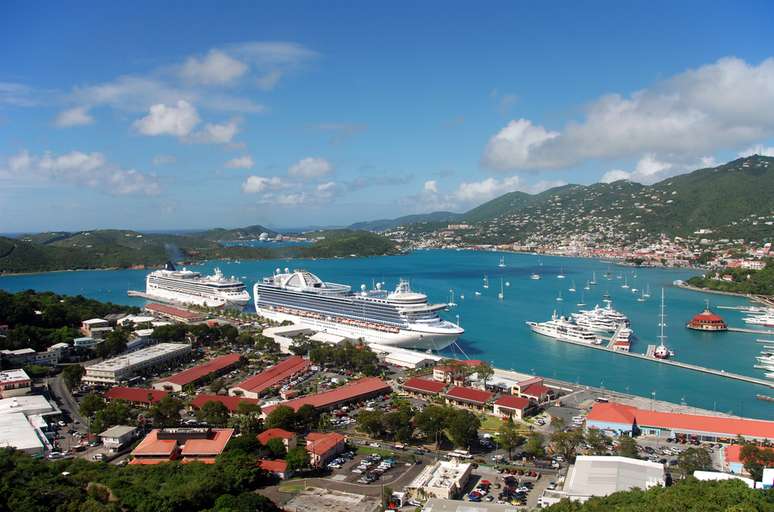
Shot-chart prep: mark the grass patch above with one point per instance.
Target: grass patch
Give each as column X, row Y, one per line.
column 368, row 450
column 292, row 486
column 492, row 424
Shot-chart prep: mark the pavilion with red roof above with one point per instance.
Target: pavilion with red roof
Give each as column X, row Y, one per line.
column 353, row 391
column 418, row 386
column 276, row 375
column 468, row 397
column 143, row 397
column 515, row 407
column 193, row 376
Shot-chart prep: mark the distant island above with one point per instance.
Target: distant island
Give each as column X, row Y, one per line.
column 110, row 248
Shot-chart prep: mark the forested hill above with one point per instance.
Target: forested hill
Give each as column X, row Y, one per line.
column 384, row 224
column 246, row 233
column 124, row 249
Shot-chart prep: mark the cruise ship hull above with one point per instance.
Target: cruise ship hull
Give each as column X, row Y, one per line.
column 405, row 338
column 176, row 297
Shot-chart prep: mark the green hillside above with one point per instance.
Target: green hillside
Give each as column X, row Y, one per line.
column 246, row 233
column 384, row 224
column 346, row 242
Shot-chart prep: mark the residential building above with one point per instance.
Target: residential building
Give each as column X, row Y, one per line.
column 624, row 419
column 25, row 356
column 289, row 439
column 197, row 374
column 353, row 391
column 87, row 326
column 603, row 475
column 278, row 467
column 323, row 447
column 184, row 444
column 86, row 342
column 123, row 367
column 537, row 393
column 14, row 383
column 512, row 406
column 280, row 373
column 142, row 397
column 444, row 480
column 118, row 436
column 468, row 398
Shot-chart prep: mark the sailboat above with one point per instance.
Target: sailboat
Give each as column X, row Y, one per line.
column 646, row 294
column 561, row 273
column 593, row 279
column 451, row 299
column 642, row 297
column 502, row 262
column 588, row 286
column 534, row 276
column 662, row 351
column 581, row 303
column 606, row 296
column 626, row 283
column 572, row 288
column 559, row 297
column 501, row 295
column 486, row 282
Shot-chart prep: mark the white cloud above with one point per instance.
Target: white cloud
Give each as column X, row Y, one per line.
column 216, row 133
column 76, row 116
column 431, row 186
column 17, row 95
column 615, row 175
column 84, row 169
column 215, row 68
column 242, row 162
column 269, row 81
column 326, row 190
column 178, row 119
column 480, row 191
column 717, row 106
column 267, row 54
column 311, row 167
column 650, row 169
column 258, row 184
column 758, row 149
column 164, row 159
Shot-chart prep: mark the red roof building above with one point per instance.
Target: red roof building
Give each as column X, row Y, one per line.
column 135, row 396
column 351, row 392
column 231, row 402
column 279, row 467
column 275, row 375
column 192, row 376
column 536, row 392
column 423, row 386
column 173, row 313
column 625, row 418
column 185, row 444
column 324, row 447
column 511, row 406
column 288, row 438
column 468, row 397
column 707, row 321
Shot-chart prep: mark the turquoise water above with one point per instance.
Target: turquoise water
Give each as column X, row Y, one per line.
column 495, row 330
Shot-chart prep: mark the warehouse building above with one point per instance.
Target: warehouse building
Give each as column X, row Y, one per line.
column 193, row 376
column 124, row 367
column 276, row 375
column 354, row 391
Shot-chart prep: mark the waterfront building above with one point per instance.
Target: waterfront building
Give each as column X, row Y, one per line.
column 193, row 376
column 404, row 358
column 14, row 383
column 141, row 397
column 353, row 391
column 276, row 375
column 118, row 436
column 468, row 398
column 289, row 439
column 624, row 419
column 444, row 479
column 323, row 447
column 183, row 444
column 604, row 475
column 423, row 387
column 537, row 393
column 512, row 406
column 732, row 460
column 177, row 314
column 123, row 367
column 231, row 402
column 707, row 321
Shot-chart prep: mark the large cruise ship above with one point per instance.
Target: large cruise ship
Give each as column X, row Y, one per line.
column 562, row 329
column 189, row 287
column 399, row 318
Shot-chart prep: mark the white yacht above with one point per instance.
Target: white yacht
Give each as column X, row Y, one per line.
column 601, row 319
column 189, row 287
column 765, row 319
column 560, row 328
column 400, row 318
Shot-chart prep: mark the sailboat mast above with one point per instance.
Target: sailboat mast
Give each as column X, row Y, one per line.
column 662, row 323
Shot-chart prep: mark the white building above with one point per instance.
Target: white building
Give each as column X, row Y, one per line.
column 14, row 383
column 404, row 358
column 602, row 475
column 444, row 479
column 116, row 437
column 121, row 368
column 16, row 431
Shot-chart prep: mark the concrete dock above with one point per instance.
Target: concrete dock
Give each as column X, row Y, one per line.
column 750, row 331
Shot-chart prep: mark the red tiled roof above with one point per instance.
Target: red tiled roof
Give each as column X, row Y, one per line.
column 733, row 452
column 512, row 402
column 151, row 446
column 274, row 466
column 536, row 390
column 197, row 372
column 231, row 402
column 172, row 311
column 137, row 395
column 424, row 385
column 285, row 369
column 354, row 390
column 320, row 444
column 274, row 433
column 204, row 447
column 477, row 396
column 148, row 461
column 613, row 412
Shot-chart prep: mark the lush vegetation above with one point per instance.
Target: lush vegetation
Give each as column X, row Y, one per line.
column 76, row 485
column 689, row 495
column 122, row 249
column 41, row 319
column 758, row 282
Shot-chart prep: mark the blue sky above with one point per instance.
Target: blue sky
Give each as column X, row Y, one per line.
column 161, row 115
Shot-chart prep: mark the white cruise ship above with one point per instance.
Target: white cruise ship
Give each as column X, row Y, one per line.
column 601, row 319
column 399, row 318
column 188, row 287
column 562, row 329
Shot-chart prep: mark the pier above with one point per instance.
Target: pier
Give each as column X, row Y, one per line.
column 750, row 331
column 679, row 364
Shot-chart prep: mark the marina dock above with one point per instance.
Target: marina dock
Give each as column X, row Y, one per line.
column 679, row 364
column 751, row 331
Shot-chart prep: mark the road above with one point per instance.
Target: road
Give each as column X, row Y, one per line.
column 64, row 398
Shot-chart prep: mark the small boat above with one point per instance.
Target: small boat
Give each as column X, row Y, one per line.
column 502, row 262
column 507, row 283
column 501, row 295
column 477, row 293
column 593, row 281
column 559, row 297
column 647, row 291
column 451, row 303
column 462, row 296
column 486, row 282
column 535, row 276
column 626, row 284
column 572, row 288
column 561, row 273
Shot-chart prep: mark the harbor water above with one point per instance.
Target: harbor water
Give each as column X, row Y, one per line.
column 495, row 329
